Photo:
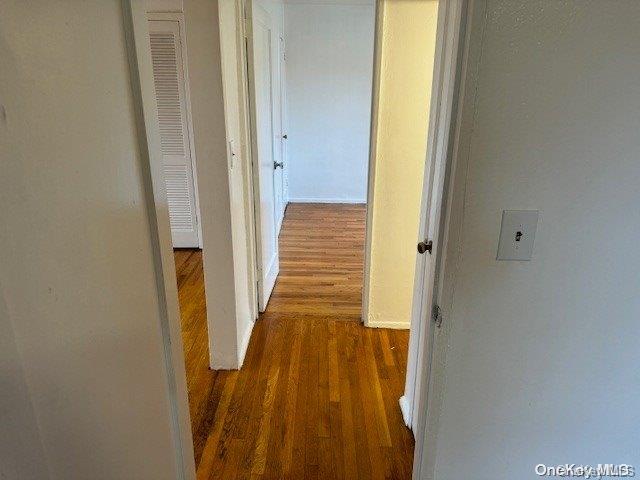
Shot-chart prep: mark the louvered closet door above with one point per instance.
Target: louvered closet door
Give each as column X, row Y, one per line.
column 168, row 73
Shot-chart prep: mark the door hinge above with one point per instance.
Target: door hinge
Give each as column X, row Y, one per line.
column 436, row 315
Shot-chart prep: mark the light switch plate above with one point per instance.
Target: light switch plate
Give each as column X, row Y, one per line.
column 517, row 233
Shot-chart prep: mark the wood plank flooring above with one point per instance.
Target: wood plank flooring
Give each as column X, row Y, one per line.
column 321, row 262
column 317, row 396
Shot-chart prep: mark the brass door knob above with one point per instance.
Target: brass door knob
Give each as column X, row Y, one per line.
column 425, row 246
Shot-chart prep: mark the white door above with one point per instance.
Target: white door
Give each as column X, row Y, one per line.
column 261, row 90
column 426, row 285
column 280, row 139
column 177, row 153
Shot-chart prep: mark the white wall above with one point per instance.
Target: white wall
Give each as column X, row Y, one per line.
column 222, row 226
column 84, row 385
column 329, row 71
column 21, row 449
column 537, row 362
column 226, row 223
column 400, row 150
column 239, row 173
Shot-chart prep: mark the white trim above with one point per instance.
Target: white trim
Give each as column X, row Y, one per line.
column 285, row 204
column 145, row 109
column 285, row 120
column 271, row 277
column 422, row 293
column 451, row 45
column 358, row 201
column 395, row 324
column 247, row 153
column 244, row 344
column 373, row 141
column 453, row 217
column 283, row 130
column 243, row 145
column 406, row 410
column 264, row 290
column 192, row 144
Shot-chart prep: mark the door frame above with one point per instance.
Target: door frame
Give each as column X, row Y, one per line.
column 244, row 142
column 450, row 67
column 445, row 72
column 282, row 65
column 452, row 20
column 138, row 52
column 250, row 101
column 449, row 62
column 371, row 171
column 179, row 19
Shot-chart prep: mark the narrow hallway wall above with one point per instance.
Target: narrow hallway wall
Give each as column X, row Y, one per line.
column 407, row 51
column 329, row 70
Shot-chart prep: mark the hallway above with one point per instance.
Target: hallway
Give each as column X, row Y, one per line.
column 317, row 396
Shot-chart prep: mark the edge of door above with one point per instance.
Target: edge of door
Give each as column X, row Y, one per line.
column 455, row 23
column 145, row 109
column 244, row 144
column 248, row 74
column 247, row 145
column 282, row 65
column 246, row 19
column 373, row 142
column 421, row 299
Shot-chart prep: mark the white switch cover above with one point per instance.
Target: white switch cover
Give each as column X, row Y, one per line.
column 517, row 234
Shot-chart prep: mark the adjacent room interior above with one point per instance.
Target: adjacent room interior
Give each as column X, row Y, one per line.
column 328, row 212
column 311, row 68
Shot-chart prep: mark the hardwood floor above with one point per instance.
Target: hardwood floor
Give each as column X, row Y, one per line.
column 317, row 396
column 321, row 262
column 193, row 311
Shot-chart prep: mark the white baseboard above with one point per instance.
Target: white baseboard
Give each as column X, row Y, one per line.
column 244, row 344
column 397, row 325
column 406, row 410
column 360, row 201
column 279, row 226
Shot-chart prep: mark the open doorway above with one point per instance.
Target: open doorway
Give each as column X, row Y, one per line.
column 318, row 391
column 309, row 84
column 168, row 49
column 306, row 71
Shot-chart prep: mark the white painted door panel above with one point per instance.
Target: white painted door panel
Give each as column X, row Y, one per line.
column 279, row 141
column 261, row 77
column 177, row 155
